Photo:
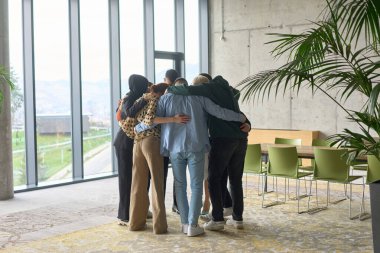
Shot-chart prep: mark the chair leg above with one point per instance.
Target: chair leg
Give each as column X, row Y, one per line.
column 328, row 193
column 246, row 186
column 287, row 187
column 263, row 196
column 317, row 208
column 363, row 215
column 258, row 186
column 287, row 180
column 345, row 191
column 274, row 203
column 349, row 209
column 340, row 200
column 297, row 195
column 302, row 196
column 308, row 201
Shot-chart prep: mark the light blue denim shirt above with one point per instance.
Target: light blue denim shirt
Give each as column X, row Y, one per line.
column 193, row 136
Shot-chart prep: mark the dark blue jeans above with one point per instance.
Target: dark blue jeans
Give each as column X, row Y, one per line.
column 226, row 194
column 226, row 154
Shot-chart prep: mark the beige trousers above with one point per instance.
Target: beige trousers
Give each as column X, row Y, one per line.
column 147, row 158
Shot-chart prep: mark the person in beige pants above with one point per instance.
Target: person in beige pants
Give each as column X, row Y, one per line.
column 147, row 158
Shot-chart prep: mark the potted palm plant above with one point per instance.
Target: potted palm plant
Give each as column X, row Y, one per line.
column 328, row 58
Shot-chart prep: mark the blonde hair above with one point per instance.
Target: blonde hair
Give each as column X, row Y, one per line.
column 200, row 79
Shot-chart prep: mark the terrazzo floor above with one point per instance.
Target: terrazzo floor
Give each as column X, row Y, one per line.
column 81, row 218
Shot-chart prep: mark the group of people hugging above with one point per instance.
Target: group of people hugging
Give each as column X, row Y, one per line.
column 201, row 130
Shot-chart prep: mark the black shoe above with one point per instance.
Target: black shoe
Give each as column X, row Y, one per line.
column 175, row 209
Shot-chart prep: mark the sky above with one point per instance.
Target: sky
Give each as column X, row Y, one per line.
column 51, row 27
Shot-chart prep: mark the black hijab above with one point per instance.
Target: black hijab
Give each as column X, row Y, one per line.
column 137, row 87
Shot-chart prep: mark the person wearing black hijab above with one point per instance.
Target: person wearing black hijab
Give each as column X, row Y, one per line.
column 124, row 145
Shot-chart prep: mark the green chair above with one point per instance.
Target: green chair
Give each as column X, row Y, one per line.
column 320, row 143
column 296, row 142
column 373, row 174
column 323, row 143
column 373, row 171
column 316, row 143
column 331, row 165
column 283, row 162
column 253, row 163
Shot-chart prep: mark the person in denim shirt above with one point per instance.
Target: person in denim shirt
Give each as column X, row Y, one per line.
column 187, row 145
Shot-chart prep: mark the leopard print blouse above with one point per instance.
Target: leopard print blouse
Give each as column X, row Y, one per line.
column 146, row 116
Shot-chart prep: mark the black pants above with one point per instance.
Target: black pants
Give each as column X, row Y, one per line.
column 166, row 167
column 124, row 154
column 226, row 196
column 226, row 154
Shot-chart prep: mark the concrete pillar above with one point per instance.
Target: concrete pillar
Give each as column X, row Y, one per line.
column 6, row 168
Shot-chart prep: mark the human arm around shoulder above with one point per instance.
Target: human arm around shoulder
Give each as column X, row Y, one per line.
column 220, row 112
column 161, row 119
column 134, row 109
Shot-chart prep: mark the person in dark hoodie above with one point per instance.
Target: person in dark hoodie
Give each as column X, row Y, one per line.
column 228, row 147
column 227, row 203
column 124, row 145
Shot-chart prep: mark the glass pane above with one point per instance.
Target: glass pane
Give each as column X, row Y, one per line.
column 131, row 40
column 164, row 34
column 95, row 87
column 192, row 39
column 161, row 66
column 17, row 95
column 52, row 87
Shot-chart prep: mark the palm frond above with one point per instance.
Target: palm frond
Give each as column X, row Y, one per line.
column 357, row 17
column 373, row 100
column 362, row 143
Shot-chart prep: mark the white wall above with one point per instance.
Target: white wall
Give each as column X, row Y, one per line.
column 242, row 52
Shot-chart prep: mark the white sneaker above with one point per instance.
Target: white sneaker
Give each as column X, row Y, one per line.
column 194, row 230
column 206, row 217
column 236, row 223
column 214, row 225
column 122, row 222
column 227, row 211
column 185, row 228
column 149, row 215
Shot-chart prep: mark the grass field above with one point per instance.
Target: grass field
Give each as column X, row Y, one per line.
column 54, row 152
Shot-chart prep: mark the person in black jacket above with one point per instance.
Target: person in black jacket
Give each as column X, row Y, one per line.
column 124, row 145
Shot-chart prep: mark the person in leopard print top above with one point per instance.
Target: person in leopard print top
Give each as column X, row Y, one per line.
column 147, row 159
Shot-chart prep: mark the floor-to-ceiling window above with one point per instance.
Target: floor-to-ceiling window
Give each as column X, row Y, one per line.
column 17, row 95
column 191, row 39
column 52, row 89
column 132, row 56
column 95, row 66
column 51, row 42
column 164, row 25
column 164, row 35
